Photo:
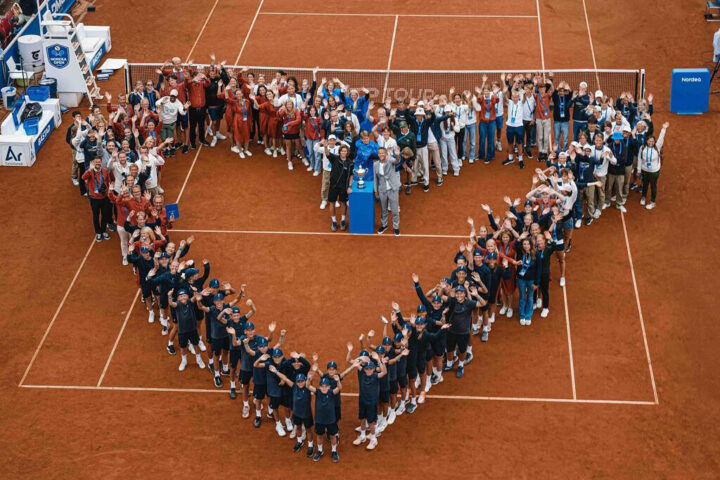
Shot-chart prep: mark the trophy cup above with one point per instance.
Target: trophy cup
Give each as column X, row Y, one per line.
column 361, row 171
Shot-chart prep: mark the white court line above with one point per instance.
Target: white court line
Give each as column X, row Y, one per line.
column 247, row 35
column 202, row 30
column 439, row 397
column 640, row 313
column 57, row 312
column 592, row 48
column 542, row 48
column 334, row 234
column 570, row 350
column 419, row 15
column 187, row 177
column 117, row 340
column 392, row 47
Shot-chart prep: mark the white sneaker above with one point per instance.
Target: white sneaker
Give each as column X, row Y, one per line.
column 417, row 381
column 391, row 416
column 440, row 378
column 191, row 347
column 509, row 313
column 323, row 204
column 562, row 281
column 456, row 173
column 605, row 205
column 151, row 316
column 282, row 151
column 213, row 142
column 400, row 408
column 621, row 208
column 183, row 364
column 498, row 146
column 125, row 261
column 208, row 131
column 235, row 149
column 578, row 223
column 544, row 313
column 421, row 398
column 372, row 443
column 241, row 154
column 503, row 310
column 75, row 181
column 290, row 166
column 268, row 151
column 220, row 135
column 309, row 168
column 279, row 429
column 380, row 427
column 528, row 322
column 642, row 201
column 538, row 303
column 650, row 205
column 597, row 213
column 248, row 153
column 612, row 199
column 201, row 345
column 199, row 361
column 305, row 162
column 492, row 318
column 289, row 425
column 428, row 384
column 275, row 153
column 522, row 322
column 316, row 173
column 360, row 440
column 292, row 433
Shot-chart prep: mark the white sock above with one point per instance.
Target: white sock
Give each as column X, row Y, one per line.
column 342, row 218
column 170, row 342
column 210, row 361
column 372, row 436
column 469, row 349
column 450, row 363
column 310, row 443
column 320, row 448
column 184, row 357
column 246, row 404
column 198, row 357
column 270, row 409
column 217, row 374
column 461, row 363
column 334, row 448
column 334, row 219
column 232, row 384
column 257, row 412
column 413, row 401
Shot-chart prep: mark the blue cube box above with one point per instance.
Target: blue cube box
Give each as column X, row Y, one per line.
column 362, row 209
column 690, row 91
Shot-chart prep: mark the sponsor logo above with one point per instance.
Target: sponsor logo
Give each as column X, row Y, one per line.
column 43, row 135
column 691, row 79
column 11, row 156
column 58, row 55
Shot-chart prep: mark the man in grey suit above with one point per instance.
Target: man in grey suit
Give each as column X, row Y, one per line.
column 387, row 187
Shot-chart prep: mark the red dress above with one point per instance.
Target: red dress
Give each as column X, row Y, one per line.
column 269, row 111
column 507, row 285
column 241, row 118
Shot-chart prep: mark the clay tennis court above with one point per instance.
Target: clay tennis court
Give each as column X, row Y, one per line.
column 618, row 382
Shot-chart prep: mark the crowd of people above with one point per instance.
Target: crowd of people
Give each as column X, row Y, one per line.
column 118, row 156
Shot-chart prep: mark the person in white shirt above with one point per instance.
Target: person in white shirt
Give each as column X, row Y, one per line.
column 387, row 187
column 333, row 148
column 447, row 143
column 650, row 164
column 515, row 128
column 460, row 109
column 348, row 116
column 120, row 168
column 499, row 92
column 470, row 130
column 168, row 109
column 601, row 152
column 152, row 160
column 528, row 116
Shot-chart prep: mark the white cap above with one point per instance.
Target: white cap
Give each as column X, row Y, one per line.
column 598, row 93
column 332, row 137
column 420, row 111
column 566, row 188
column 173, row 93
column 421, row 103
column 563, row 154
column 448, row 109
column 583, row 84
column 575, row 144
column 627, row 128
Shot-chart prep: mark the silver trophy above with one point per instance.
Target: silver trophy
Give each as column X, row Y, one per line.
column 361, row 172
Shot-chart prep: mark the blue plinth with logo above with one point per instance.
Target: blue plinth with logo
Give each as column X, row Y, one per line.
column 362, row 208
column 690, row 91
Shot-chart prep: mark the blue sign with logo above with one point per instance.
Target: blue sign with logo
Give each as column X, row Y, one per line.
column 690, row 91
column 58, row 55
column 44, row 134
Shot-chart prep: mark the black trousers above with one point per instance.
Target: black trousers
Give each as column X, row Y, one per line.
column 459, row 140
column 102, row 214
column 83, row 187
column 545, row 289
column 197, row 124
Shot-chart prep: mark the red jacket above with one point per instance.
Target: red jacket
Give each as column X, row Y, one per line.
column 486, row 106
column 196, row 92
column 313, row 127
column 94, row 179
column 290, row 122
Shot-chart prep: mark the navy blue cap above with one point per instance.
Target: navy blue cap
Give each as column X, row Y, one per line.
column 219, row 297
column 477, row 252
column 164, row 255
column 144, row 250
column 461, row 268
column 446, row 280
column 421, row 308
column 277, row 352
column 190, row 272
column 398, row 337
column 420, row 321
column 380, row 349
column 182, row 291
column 528, row 202
column 300, row 377
column 368, row 365
column 325, row 381
column 492, row 256
column 364, row 353
column 235, row 310
column 332, row 365
column 262, row 342
column 249, row 326
column 214, row 283
column 437, row 299
column 459, row 288
column 387, row 341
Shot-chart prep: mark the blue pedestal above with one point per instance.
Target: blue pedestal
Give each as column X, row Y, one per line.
column 690, row 91
column 362, row 209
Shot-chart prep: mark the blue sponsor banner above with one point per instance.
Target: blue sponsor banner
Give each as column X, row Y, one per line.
column 43, row 136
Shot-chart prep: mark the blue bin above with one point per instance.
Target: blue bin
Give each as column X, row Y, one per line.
column 38, row 93
column 31, row 126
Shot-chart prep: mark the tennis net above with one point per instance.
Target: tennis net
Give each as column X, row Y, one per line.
column 424, row 84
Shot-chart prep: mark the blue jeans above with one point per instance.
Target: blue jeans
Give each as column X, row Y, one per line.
column 577, row 126
column 470, row 136
column 562, row 129
column 525, row 287
column 314, row 157
column 487, row 132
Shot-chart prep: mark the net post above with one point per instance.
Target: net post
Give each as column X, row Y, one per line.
column 128, row 78
column 642, row 83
